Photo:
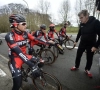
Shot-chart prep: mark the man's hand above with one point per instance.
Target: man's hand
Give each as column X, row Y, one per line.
column 93, row 49
column 36, row 72
column 75, row 43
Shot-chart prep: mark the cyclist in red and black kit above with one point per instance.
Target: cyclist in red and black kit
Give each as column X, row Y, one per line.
column 51, row 32
column 16, row 41
column 38, row 34
column 62, row 33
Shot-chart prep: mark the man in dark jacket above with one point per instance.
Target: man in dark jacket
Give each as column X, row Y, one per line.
column 88, row 30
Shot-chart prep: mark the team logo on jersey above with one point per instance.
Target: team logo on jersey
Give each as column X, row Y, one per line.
column 20, row 43
column 23, row 56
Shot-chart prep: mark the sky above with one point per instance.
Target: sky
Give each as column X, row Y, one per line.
column 55, row 5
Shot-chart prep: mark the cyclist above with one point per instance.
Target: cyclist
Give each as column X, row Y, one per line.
column 51, row 32
column 62, row 33
column 40, row 34
column 16, row 41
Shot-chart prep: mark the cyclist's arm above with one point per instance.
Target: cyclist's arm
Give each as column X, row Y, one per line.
column 45, row 37
column 38, row 39
column 56, row 32
column 16, row 49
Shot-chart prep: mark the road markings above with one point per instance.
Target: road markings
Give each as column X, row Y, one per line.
column 71, row 47
column 4, row 57
column 2, row 38
column 2, row 73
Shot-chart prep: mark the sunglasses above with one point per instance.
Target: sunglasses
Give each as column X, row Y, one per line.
column 52, row 27
column 43, row 29
column 24, row 23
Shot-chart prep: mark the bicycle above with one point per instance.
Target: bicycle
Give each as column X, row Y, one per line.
column 45, row 81
column 68, row 43
column 57, row 48
column 44, row 53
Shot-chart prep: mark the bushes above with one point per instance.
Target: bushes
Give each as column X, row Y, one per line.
column 69, row 29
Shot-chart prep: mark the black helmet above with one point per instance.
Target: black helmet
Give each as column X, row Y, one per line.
column 43, row 26
column 16, row 18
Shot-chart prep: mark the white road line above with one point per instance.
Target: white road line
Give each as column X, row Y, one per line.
column 71, row 47
column 4, row 57
column 2, row 38
column 2, row 73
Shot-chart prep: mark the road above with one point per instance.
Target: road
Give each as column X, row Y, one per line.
column 70, row 80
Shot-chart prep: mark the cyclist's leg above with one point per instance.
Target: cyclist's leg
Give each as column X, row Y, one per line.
column 61, row 40
column 17, row 82
column 16, row 75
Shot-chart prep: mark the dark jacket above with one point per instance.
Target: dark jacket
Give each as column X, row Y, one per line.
column 89, row 31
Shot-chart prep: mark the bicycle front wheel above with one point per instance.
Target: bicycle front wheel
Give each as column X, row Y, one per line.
column 55, row 51
column 69, row 44
column 48, row 56
column 47, row 82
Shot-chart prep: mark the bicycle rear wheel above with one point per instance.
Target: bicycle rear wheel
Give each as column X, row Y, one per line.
column 69, row 44
column 48, row 56
column 47, row 82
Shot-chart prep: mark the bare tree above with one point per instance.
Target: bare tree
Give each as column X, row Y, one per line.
column 64, row 10
column 44, row 9
column 33, row 16
column 89, row 5
column 79, row 5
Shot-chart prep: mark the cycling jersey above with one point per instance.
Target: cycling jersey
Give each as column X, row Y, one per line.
column 38, row 34
column 17, row 47
column 51, row 34
column 62, row 32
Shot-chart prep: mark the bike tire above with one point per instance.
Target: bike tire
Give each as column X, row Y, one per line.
column 48, row 56
column 55, row 51
column 69, row 44
column 47, row 82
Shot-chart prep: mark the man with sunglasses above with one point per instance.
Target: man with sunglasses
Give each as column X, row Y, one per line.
column 88, row 30
column 16, row 41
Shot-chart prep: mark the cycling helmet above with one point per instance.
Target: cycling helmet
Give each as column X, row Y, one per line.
column 16, row 18
column 43, row 26
column 51, row 25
